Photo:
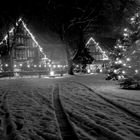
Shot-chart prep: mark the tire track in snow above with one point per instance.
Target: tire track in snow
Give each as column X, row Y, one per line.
column 119, row 107
column 66, row 128
column 8, row 126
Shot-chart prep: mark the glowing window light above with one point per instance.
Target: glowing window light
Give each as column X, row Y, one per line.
column 101, row 70
column 136, row 71
column 6, row 65
column 59, row 66
column 15, row 65
column 45, row 66
column 39, row 65
column 88, row 70
column 49, row 65
column 52, row 73
column 54, row 66
column 35, row 66
column 20, row 65
column 124, row 64
column 28, row 66
column 129, row 66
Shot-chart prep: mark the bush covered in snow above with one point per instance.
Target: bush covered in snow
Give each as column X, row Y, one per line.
column 130, row 83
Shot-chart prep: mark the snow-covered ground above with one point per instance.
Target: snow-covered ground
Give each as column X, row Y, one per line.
column 115, row 109
column 96, row 108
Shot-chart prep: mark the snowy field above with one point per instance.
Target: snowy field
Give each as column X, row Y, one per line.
column 84, row 107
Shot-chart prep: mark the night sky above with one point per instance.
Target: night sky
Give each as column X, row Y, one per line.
column 47, row 17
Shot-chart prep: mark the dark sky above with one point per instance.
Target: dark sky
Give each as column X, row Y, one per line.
column 42, row 16
column 42, row 11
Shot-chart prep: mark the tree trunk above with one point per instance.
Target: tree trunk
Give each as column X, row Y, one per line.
column 70, row 61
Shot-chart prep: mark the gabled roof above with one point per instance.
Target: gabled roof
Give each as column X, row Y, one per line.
column 20, row 20
column 93, row 42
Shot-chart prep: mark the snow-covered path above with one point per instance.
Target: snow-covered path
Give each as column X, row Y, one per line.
column 97, row 118
column 77, row 107
column 28, row 110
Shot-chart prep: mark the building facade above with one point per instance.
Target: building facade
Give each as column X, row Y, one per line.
column 19, row 49
column 101, row 59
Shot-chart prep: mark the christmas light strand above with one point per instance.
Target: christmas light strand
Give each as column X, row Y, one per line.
column 105, row 57
column 31, row 35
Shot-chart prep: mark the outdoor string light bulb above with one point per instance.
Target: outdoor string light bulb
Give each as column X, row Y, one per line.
column 123, row 72
column 128, row 59
column 6, row 65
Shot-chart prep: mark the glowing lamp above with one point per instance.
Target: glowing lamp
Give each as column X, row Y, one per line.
column 39, row 65
column 136, row 71
column 28, row 66
column 20, row 65
column 15, row 65
column 88, row 70
column 101, row 70
column 35, row 66
column 6, row 65
column 52, row 73
column 54, row 66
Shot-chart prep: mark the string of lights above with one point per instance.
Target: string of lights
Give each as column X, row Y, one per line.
column 105, row 57
column 31, row 35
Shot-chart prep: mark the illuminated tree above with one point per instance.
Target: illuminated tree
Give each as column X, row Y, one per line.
column 132, row 57
column 128, row 57
column 118, row 55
